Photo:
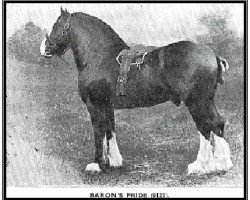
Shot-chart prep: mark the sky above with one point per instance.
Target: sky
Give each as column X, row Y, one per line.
column 142, row 23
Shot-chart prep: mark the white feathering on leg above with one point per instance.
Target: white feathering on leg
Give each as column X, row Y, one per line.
column 94, row 167
column 196, row 166
column 222, row 153
column 105, row 149
column 211, row 158
column 115, row 158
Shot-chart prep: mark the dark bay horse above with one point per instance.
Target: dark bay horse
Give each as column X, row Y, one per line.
column 180, row 72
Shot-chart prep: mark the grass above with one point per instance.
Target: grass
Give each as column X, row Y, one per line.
column 50, row 138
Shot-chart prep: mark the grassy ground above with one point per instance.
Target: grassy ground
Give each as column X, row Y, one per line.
column 50, row 138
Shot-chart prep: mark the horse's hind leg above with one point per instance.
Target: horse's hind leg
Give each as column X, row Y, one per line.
column 214, row 152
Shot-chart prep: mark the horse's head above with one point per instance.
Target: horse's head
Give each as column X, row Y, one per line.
column 58, row 41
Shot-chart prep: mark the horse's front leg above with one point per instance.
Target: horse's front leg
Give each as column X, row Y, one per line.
column 107, row 153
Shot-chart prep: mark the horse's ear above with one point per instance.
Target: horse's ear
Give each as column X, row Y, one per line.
column 66, row 10
column 62, row 11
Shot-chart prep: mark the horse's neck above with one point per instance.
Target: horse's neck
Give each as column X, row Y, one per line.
column 91, row 48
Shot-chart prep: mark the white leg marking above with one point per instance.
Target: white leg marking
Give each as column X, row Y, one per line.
column 115, row 158
column 42, row 46
column 105, row 149
column 211, row 158
column 224, row 64
column 94, row 167
column 222, row 153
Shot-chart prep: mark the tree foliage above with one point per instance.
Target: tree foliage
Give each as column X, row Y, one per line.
column 220, row 38
column 24, row 44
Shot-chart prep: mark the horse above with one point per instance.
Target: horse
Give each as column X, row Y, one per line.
column 181, row 72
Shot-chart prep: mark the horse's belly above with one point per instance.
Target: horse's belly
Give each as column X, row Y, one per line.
column 141, row 96
column 126, row 103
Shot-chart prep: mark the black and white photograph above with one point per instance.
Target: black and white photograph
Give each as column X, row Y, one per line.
column 124, row 99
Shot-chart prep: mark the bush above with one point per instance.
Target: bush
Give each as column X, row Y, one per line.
column 25, row 43
column 221, row 39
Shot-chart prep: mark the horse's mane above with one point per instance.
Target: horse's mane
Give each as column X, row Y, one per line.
column 107, row 28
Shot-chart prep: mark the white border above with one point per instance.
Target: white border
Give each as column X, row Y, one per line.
column 81, row 191
column 85, row 192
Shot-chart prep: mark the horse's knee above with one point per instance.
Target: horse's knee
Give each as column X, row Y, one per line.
column 102, row 117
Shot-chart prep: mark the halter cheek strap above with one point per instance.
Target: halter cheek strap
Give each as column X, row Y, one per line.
column 66, row 26
column 65, row 32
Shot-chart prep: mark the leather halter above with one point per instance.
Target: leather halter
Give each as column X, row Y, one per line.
column 64, row 32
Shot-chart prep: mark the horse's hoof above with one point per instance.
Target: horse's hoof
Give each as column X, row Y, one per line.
column 195, row 168
column 93, row 167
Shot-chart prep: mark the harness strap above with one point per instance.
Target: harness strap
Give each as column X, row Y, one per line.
column 139, row 61
column 127, row 56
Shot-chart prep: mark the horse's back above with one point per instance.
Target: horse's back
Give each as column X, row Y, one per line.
column 184, row 54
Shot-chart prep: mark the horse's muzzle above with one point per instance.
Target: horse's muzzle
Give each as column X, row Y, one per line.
column 45, row 51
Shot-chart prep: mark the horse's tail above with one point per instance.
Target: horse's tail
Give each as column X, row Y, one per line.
column 222, row 67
